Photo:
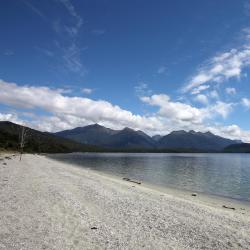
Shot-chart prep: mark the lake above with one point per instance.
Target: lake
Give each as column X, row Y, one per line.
column 218, row 174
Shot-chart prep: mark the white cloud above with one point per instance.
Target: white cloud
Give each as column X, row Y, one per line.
column 162, row 70
column 72, row 11
column 233, row 132
column 64, row 112
column 57, row 104
column 175, row 111
column 46, row 52
column 71, row 56
column 142, row 89
column 57, row 27
column 222, row 67
column 221, row 108
column 35, row 10
column 11, row 117
column 181, row 112
column 247, row 8
column 202, row 99
column 214, row 94
column 199, row 89
column 245, row 102
column 68, row 44
column 231, row 91
column 87, row 91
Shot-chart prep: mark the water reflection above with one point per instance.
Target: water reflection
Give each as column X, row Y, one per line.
column 221, row 174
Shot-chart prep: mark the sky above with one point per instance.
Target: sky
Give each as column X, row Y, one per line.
column 155, row 65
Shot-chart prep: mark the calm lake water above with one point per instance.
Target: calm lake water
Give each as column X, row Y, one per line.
column 219, row 174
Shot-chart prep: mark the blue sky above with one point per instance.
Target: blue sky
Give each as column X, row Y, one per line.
column 155, row 65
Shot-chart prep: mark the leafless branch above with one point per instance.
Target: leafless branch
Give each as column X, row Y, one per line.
column 22, row 139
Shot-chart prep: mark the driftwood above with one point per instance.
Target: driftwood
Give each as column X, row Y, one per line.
column 232, row 208
column 133, row 181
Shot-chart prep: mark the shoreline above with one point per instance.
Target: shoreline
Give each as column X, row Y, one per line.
column 216, row 201
column 48, row 204
column 210, row 199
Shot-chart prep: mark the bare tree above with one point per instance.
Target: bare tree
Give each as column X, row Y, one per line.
column 22, row 139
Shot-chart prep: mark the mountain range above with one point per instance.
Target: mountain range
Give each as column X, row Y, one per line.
column 38, row 142
column 96, row 138
column 135, row 139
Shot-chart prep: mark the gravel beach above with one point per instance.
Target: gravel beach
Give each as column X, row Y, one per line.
column 47, row 204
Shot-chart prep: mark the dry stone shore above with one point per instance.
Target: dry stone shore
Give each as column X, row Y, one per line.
column 46, row 204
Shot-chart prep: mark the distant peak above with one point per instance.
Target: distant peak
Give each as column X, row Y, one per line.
column 192, row 132
column 209, row 133
column 96, row 125
column 178, row 132
column 128, row 129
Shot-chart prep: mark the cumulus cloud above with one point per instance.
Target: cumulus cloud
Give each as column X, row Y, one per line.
column 56, row 103
column 66, row 112
column 245, row 102
column 233, row 132
column 202, row 99
column 177, row 115
column 174, row 110
column 182, row 112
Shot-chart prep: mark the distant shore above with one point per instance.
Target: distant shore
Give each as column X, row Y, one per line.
column 47, row 204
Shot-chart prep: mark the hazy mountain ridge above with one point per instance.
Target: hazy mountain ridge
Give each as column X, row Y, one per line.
column 198, row 140
column 92, row 134
column 105, row 137
column 131, row 139
column 96, row 138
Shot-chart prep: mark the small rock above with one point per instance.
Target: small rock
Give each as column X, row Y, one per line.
column 93, row 228
column 4, row 163
column 232, row 208
column 194, row 194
